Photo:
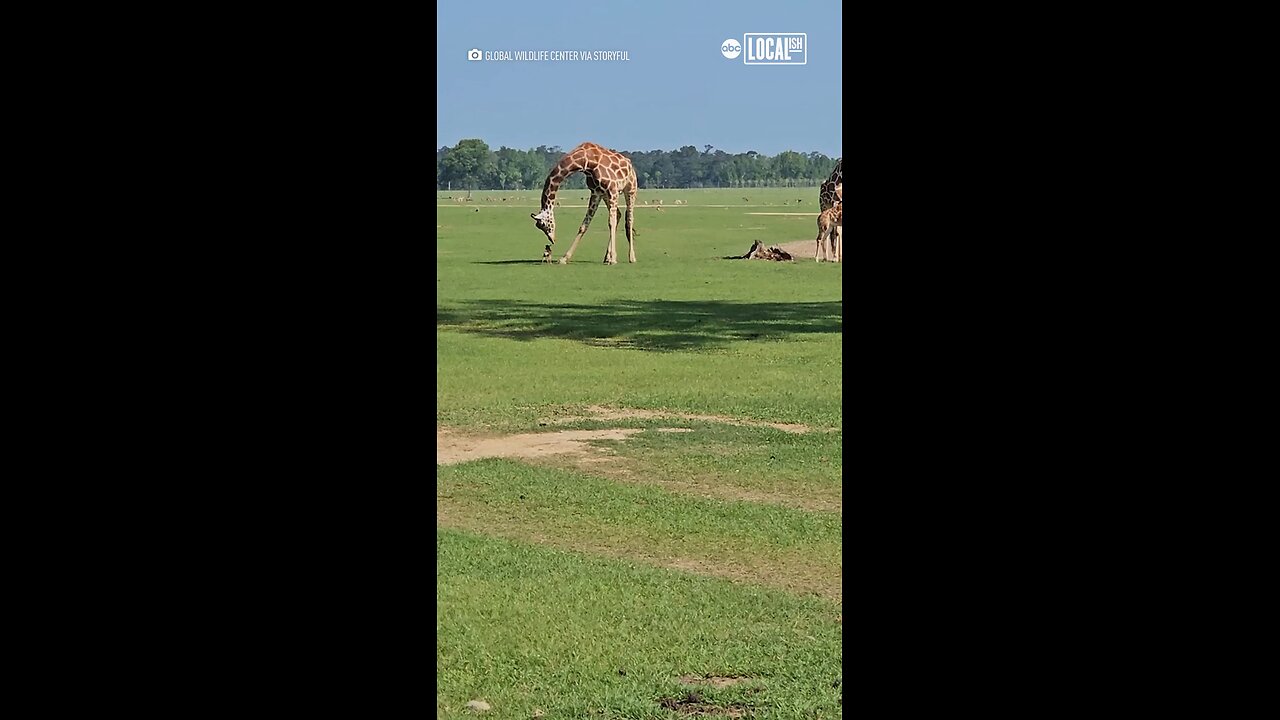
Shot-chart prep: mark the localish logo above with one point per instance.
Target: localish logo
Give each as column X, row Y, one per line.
column 776, row 48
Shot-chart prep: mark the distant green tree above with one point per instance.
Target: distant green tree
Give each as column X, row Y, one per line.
column 719, row 169
column 469, row 163
column 472, row 164
column 790, row 166
column 505, row 160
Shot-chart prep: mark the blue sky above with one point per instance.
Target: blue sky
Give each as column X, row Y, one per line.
column 677, row 89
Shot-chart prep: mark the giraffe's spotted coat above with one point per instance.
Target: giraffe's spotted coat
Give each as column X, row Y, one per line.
column 831, row 192
column 609, row 174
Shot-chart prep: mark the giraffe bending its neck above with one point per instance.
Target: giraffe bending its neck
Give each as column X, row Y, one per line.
column 609, row 174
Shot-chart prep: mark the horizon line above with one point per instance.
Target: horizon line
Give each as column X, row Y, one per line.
column 696, row 147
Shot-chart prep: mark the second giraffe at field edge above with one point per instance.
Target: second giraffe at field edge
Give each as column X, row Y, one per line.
column 831, row 216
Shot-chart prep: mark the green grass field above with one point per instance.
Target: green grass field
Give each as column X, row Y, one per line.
column 692, row 566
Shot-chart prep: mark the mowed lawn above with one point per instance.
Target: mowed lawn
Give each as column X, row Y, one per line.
column 693, row 566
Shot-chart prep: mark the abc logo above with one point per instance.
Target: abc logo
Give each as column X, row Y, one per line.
column 474, row 54
column 731, row 48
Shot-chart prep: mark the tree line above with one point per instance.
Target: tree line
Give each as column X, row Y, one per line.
column 472, row 165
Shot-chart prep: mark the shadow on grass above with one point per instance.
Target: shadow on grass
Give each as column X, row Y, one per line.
column 507, row 262
column 658, row 325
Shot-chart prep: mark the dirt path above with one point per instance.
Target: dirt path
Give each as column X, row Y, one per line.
column 599, row 412
column 573, row 449
column 791, row 571
column 453, row 447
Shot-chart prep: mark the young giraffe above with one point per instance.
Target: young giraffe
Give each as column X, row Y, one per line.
column 831, row 227
column 608, row 174
column 831, row 195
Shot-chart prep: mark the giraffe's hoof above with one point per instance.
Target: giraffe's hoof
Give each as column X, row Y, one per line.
column 563, row 261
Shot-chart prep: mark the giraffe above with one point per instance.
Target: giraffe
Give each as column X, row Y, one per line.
column 831, row 226
column 831, row 191
column 831, row 195
column 608, row 174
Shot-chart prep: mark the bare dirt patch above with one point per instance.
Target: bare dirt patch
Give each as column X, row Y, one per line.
column 598, row 412
column 455, row 448
column 802, row 248
column 797, row 249
column 573, row 449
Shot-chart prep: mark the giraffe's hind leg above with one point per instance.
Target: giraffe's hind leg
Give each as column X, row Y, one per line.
column 631, row 226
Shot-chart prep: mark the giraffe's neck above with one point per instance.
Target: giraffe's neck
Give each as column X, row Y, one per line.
column 559, row 174
column 549, row 189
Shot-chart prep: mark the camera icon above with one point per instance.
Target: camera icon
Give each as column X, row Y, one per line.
column 475, row 54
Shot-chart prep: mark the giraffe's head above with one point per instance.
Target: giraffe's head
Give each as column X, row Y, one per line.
column 546, row 222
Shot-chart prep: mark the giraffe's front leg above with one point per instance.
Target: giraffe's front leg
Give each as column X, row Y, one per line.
column 582, row 229
column 820, row 248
